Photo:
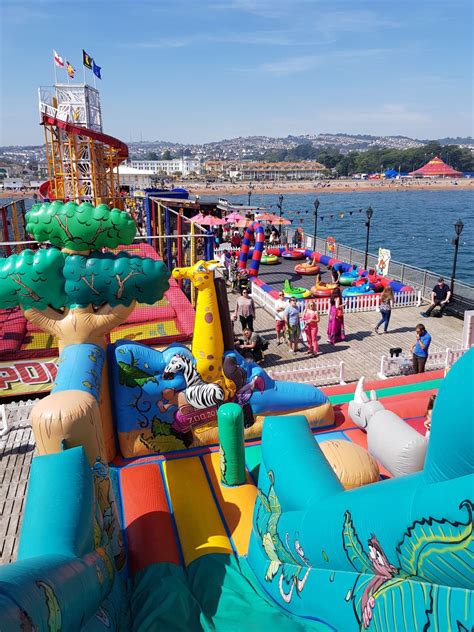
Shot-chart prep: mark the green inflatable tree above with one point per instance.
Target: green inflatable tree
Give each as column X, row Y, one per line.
column 79, row 293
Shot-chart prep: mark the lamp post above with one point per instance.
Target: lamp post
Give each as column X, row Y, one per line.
column 458, row 227
column 316, row 206
column 369, row 212
column 280, row 203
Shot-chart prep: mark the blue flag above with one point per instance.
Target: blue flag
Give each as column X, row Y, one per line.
column 96, row 70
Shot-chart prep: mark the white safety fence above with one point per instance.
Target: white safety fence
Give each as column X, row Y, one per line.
column 362, row 303
column 318, row 375
column 437, row 359
column 15, row 414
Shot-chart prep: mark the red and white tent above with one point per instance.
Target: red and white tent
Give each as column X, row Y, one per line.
column 436, row 167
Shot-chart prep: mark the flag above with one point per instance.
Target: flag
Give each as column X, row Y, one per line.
column 96, row 69
column 86, row 60
column 70, row 70
column 58, row 60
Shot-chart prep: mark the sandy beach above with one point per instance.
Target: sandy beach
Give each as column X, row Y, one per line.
column 329, row 186
column 326, row 186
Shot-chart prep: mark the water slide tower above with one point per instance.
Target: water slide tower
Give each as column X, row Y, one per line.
column 82, row 160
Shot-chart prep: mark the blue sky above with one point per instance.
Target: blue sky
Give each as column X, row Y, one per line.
column 200, row 71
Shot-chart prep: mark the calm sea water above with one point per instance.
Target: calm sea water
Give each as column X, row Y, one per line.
column 417, row 226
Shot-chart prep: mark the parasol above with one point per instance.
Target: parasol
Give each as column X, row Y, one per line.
column 234, row 217
column 207, row 220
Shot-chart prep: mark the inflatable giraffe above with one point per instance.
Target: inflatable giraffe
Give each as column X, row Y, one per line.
column 208, row 344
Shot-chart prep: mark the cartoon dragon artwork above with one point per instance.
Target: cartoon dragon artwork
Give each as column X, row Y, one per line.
column 430, row 548
column 290, row 562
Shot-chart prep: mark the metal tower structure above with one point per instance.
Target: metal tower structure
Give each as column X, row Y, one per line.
column 82, row 160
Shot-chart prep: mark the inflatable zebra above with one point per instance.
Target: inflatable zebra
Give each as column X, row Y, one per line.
column 198, row 393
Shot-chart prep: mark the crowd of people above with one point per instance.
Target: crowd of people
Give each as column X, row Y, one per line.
column 298, row 321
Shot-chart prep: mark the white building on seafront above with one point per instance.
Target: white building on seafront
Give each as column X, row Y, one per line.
column 135, row 178
column 183, row 166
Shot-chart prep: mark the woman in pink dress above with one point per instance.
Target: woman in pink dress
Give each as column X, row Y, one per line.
column 336, row 318
column 311, row 320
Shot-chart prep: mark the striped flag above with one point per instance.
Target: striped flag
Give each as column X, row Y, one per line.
column 70, row 70
column 58, row 60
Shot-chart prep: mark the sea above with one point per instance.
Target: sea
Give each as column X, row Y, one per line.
column 416, row 226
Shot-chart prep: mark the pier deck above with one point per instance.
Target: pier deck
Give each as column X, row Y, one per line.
column 360, row 352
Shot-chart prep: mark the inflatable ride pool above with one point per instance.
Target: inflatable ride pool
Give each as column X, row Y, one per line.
column 292, row 291
column 307, row 268
column 294, row 254
column 322, row 290
column 269, row 260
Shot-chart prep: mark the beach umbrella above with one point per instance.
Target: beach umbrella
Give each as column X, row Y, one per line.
column 243, row 223
column 280, row 220
column 266, row 217
column 234, row 217
column 207, row 220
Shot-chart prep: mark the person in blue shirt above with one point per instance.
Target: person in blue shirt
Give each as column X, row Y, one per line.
column 292, row 318
column 420, row 349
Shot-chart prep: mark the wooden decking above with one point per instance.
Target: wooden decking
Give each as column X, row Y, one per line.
column 360, row 352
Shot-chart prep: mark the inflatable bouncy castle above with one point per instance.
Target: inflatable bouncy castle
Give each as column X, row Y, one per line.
column 390, row 555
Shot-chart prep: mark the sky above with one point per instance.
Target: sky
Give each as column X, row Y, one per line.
column 200, row 71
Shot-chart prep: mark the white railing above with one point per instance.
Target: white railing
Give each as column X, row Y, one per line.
column 437, row 359
column 353, row 304
column 15, row 413
column 53, row 112
column 317, row 375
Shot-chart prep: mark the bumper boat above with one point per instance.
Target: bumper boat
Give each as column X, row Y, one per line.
column 322, row 290
column 269, row 260
column 348, row 278
column 356, row 290
column 307, row 268
column 294, row 254
column 292, row 291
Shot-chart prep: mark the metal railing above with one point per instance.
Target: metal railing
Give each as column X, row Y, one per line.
column 418, row 278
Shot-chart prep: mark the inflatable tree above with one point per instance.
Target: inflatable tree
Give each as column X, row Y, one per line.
column 73, row 290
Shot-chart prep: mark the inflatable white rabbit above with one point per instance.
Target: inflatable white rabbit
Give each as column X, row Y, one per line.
column 397, row 446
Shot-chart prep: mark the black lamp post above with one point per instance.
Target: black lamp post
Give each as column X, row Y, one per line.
column 458, row 227
column 316, row 206
column 280, row 203
column 369, row 212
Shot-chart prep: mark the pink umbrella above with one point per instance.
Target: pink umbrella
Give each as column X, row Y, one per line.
column 233, row 217
column 243, row 223
column 207, row 220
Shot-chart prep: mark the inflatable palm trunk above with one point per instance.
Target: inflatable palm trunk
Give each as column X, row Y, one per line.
column 395, row 555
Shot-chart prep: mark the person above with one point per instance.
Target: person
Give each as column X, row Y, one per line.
column 440, row 297
column 267, row 233
column 273, row 237
column 236, row 240
column 297, row 238
column 311, row 319
column 280, row 321
column 335, row 274
column 420, row 349
column 429, row 415
column 245, row 310
column 335, row 329
column 251, row 345
column 387, row 301
column 292, row 319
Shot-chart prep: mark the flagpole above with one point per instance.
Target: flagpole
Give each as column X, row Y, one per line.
column 54, row 64
column 84, row 71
